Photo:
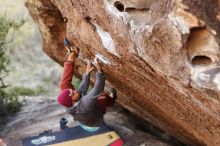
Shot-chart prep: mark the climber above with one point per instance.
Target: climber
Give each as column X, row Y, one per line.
column 87, row 109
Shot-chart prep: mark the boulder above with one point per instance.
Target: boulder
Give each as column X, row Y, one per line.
column 161, row 55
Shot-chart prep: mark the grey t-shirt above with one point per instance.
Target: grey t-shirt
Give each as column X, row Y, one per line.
column 87, row 111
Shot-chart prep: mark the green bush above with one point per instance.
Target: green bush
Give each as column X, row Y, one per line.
column 22, row 91
column 9, row 100
column 5, row 26
column 76, row 82
column 8, row 103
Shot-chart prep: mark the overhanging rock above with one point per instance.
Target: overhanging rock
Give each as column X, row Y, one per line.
column 162, row 56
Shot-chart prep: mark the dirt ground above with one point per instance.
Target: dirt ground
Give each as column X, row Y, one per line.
column 43, row 113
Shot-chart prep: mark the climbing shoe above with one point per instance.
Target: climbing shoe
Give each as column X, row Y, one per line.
column 63, row 122
column 67, row 42
column 70, row 47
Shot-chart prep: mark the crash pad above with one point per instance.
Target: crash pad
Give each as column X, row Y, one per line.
column 76, row 136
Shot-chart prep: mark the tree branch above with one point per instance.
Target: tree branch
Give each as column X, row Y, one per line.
column 3, row 84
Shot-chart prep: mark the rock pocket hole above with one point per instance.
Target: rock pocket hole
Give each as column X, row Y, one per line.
column 65, row 20
column 88, row 19
column 119, row 6
column 130, row 9
column 202, row 47
column 201, row 60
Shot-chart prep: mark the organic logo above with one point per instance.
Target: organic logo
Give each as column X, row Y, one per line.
column 42, row 140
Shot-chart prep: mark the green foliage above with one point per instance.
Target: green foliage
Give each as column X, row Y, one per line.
column 5, row 26
column 76, row 82
column 4, row 60
column 9, row 99
column 22, row 91
column 9, row 102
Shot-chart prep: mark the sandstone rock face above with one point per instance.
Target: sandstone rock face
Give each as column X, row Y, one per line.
column 161, row 55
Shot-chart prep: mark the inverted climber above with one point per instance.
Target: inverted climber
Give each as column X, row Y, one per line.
column 86, row 108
